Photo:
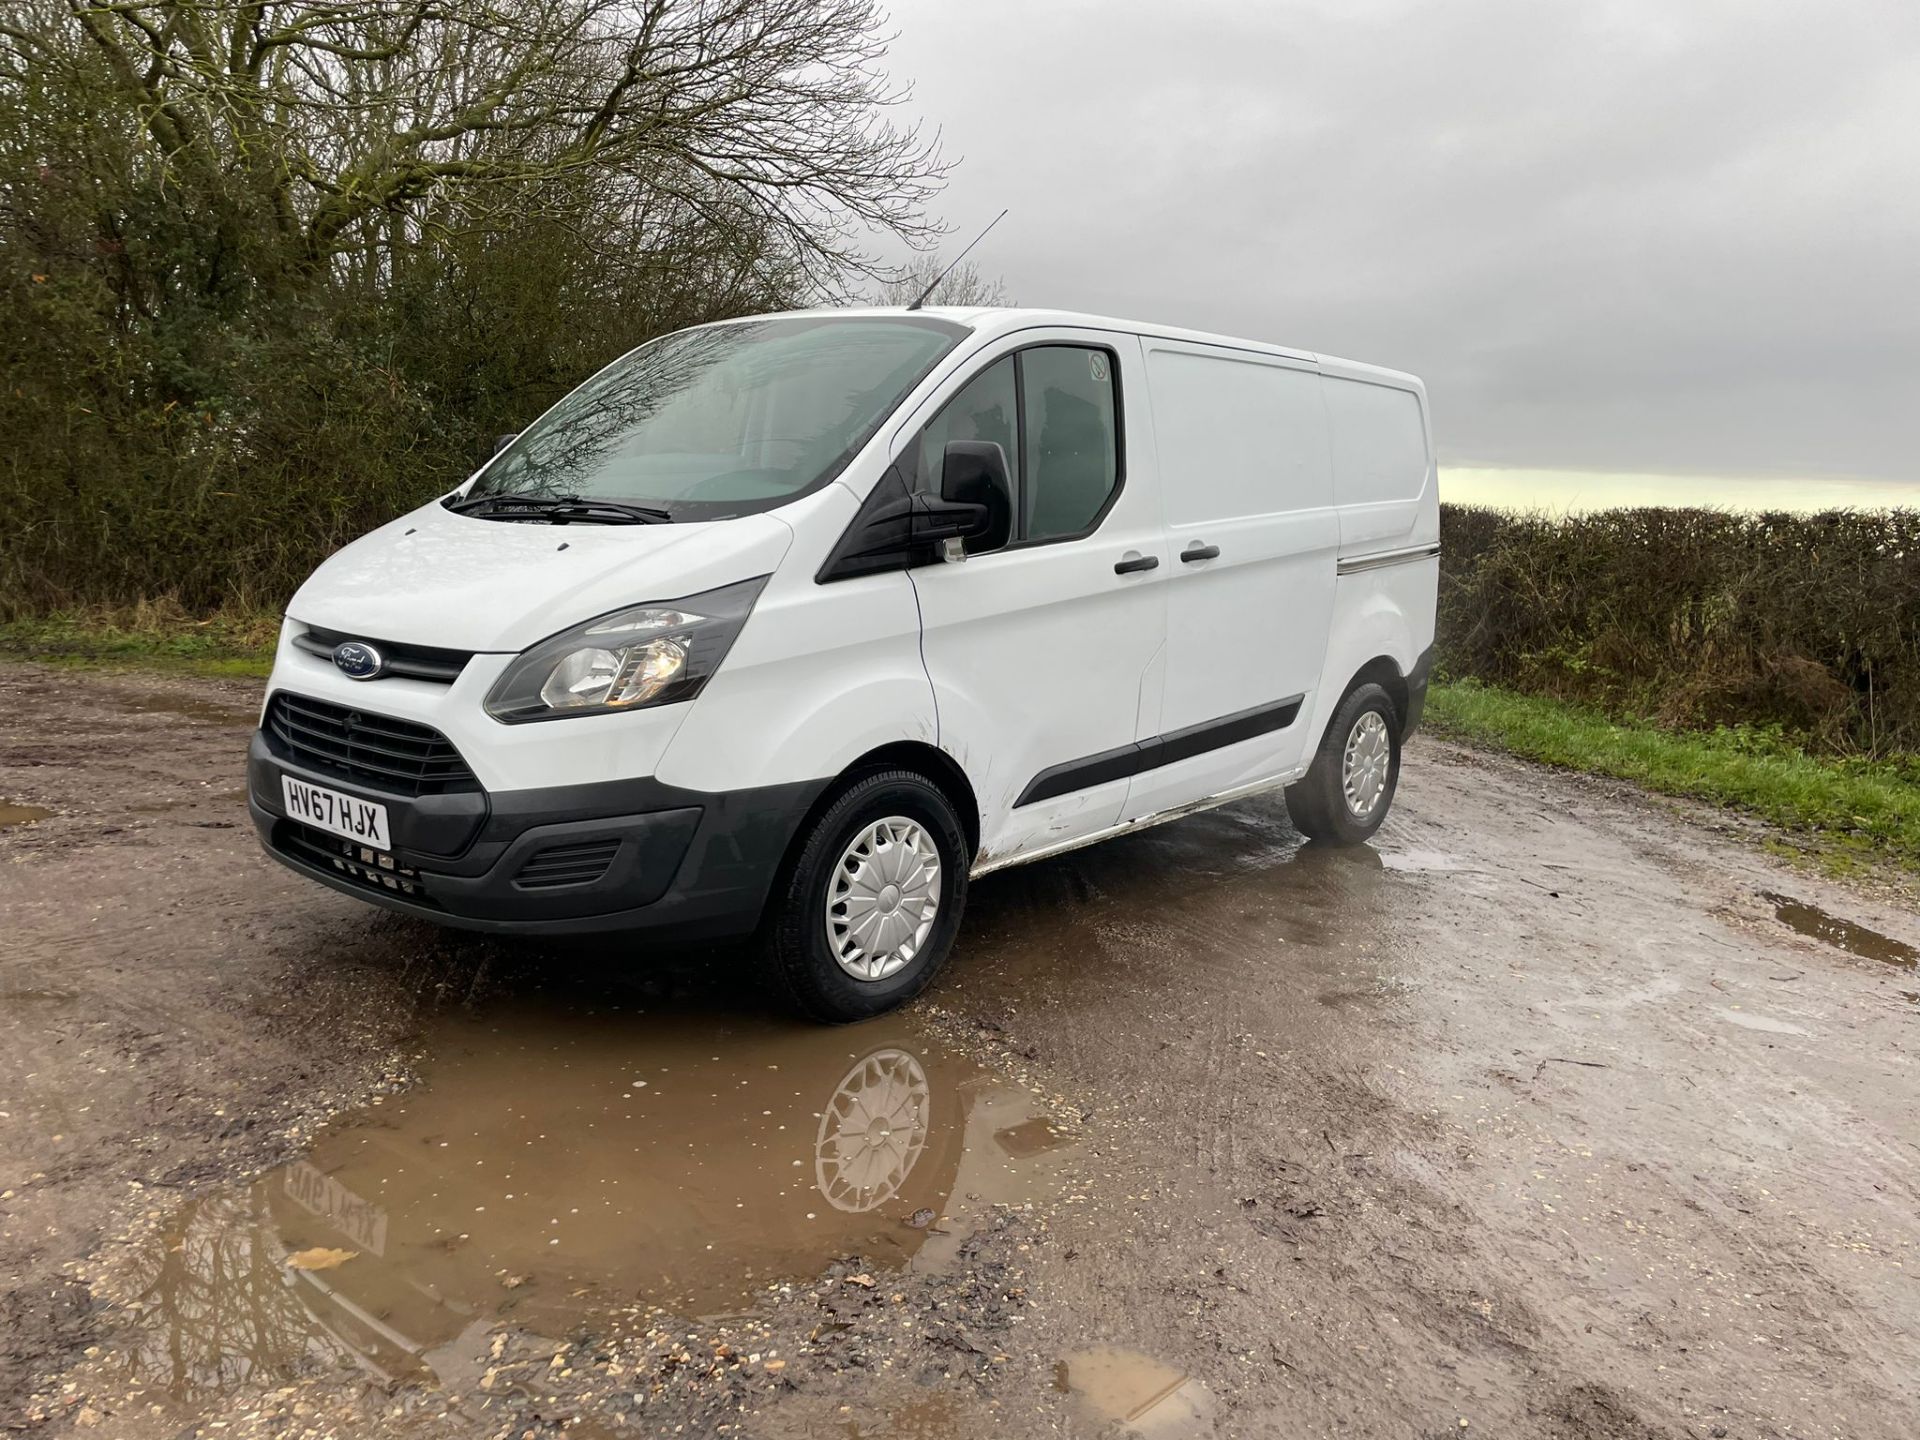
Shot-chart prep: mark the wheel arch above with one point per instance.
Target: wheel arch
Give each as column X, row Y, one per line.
column 929, row 761
column 1384, row 671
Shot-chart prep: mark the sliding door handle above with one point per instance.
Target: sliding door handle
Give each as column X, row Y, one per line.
column 1199, row 552
column 1133, row 560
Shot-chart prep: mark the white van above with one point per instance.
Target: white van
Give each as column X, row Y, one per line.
column 788, row 626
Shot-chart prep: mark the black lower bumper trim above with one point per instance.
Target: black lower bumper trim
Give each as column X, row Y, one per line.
column 690, row 863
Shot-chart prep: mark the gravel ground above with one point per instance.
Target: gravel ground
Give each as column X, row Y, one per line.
column 1555, row 1112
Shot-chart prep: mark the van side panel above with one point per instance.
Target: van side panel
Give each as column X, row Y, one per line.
column 1386, row 593
column 1385, row 477
column 1241, row 440
column 821, row 674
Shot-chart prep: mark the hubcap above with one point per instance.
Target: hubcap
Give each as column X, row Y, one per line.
column 883, row 898
column 1363, row 773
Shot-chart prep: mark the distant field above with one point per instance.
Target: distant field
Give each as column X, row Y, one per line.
column 1582, row 492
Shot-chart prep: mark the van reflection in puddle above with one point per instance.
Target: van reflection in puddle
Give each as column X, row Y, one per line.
column 554, row 1170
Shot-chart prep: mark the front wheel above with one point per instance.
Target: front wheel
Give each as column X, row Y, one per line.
column 868, row 909
column 1346, row 791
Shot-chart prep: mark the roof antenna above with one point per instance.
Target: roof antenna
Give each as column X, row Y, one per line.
column 928, row 292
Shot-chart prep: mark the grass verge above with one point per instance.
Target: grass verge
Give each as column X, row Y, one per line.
column 1852, row 812
column 226, row 646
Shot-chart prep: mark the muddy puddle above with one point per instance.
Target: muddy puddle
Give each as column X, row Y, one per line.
column 1141, row 1395
column 560, row 1169
column 234, row 798
column 1830, row 929
column 187, row 707
column 11, row 815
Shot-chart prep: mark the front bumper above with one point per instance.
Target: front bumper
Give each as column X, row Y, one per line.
column 683, row 864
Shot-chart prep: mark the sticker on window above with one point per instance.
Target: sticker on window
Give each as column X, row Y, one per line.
column 1097, row 361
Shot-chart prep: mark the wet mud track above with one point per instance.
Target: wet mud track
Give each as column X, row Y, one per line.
column 1553, row 1113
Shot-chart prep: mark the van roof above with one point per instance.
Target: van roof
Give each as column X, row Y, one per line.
column 988, row 322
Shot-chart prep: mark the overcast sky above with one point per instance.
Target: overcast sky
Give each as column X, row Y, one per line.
column 1613, row 235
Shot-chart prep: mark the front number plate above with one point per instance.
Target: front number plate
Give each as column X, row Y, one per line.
column 336, row 813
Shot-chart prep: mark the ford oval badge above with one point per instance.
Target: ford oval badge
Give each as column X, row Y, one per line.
column 358, row 660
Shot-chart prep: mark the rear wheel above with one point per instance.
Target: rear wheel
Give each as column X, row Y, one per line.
column 1346, row 792
column 868, row 910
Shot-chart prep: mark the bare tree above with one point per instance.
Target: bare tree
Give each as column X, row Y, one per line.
column 281, row 265
column 332, row 125
column 965, row 286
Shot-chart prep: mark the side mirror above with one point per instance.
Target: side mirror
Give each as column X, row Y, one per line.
column 973, row 473
column 500, row 442
column 898, row 528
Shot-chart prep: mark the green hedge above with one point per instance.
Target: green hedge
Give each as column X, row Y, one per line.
column 1808, row 625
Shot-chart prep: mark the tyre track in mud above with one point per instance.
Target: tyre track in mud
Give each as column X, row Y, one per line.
column 1507, row 1119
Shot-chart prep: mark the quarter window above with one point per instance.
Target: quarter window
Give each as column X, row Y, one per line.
column 986, row 410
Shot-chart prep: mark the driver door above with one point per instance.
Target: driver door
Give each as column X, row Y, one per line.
column 1039, row 652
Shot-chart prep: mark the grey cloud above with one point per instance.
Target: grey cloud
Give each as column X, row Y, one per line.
column 1630, row 234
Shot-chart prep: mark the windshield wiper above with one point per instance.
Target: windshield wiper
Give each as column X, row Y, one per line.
column 558, row 509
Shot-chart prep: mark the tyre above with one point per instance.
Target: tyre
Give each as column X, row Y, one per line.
column 866, row 912
column 1348, row 788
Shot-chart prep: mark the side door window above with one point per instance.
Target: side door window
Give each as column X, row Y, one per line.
column 1053, row 410
column 1073, row 455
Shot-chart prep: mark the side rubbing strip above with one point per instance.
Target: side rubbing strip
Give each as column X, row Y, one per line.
column 1169, row 749
column 1352, row 564
column 1081, row 774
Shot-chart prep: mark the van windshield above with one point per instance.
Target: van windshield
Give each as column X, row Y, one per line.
column 726, row 419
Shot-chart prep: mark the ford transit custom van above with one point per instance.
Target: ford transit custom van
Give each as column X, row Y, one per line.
column 789, row 626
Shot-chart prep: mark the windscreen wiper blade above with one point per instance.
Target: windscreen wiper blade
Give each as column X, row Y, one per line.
column 559, row 509
column 608, row 512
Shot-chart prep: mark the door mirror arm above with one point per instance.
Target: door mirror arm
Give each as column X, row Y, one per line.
column 938, row 522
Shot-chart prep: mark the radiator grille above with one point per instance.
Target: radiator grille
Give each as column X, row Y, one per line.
column 374, row 749
column 419, row 662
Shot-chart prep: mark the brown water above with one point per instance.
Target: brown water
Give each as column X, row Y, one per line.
column 559, row 1167
column 187, row 706
column 1138, row 1393
column 1829, row 929
column 21, row 814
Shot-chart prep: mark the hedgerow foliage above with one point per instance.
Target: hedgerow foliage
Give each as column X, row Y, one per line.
column 274, row 270
column 1807, row 623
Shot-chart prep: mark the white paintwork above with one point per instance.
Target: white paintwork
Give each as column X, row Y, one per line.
column 1241, row 445
column 822, row 674
column 1010, row 662
column 436, row 578
column 1037, row 652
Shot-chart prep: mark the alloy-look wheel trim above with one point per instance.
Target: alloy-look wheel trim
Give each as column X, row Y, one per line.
column 883, row 898
column 1364, row 767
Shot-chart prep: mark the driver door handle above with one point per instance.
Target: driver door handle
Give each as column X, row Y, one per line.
column 1133, row 560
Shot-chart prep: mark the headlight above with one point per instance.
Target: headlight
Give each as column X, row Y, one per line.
column 645, row 655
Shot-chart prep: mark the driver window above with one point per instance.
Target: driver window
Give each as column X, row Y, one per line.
column 985, row 410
